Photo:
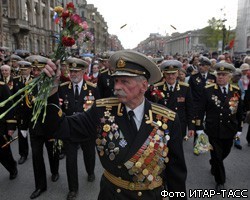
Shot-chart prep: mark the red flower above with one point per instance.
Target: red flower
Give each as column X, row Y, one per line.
column 70, row 5
column 65, row 14
column 68, row 41
column 76, row 18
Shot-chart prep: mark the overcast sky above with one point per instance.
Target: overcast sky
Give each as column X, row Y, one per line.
column 156, row 16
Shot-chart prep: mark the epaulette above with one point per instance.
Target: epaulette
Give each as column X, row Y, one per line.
column 65, row 83
column 104, row 71
column 2, row 83
column 94, row 85
column 107, row 102
column 210, row 85
column 235, row 87
column 159, row 84
column 16, row 77
column 183, row 83
column 163, row 111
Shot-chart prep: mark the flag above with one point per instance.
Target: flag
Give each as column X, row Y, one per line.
column 56, row 18
column 187, row 40
column 231, row 44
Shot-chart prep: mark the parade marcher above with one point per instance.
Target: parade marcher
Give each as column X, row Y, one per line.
column 38, row 139
column 76, row 96
column 138, row 142
column 95, row 73
column 7, row 128
column 6, row 76
column 105, row 82
column 193, row 67
column 222, row 106
column 197, row 82
column 176, row 95
column 22, row 112
column 14, row 65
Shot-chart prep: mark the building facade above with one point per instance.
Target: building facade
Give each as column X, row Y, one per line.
column 242, row 41
column 29, row 25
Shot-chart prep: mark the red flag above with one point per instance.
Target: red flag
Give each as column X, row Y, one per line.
column 187, row 40
column 231, row 44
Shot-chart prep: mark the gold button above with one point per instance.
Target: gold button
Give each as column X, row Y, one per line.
column 119, row 166
column 139, row 194
column 118, row 190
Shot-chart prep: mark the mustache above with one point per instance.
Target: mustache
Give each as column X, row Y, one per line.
column 120, row 93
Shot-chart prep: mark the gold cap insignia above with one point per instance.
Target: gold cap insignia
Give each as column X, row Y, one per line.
column 74, row 64
column 121, row 63
column 221, row 68
column 171, row 67
column 36, row 61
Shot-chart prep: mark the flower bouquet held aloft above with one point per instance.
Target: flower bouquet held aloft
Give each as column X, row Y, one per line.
column 71, row 26
column 202, row 144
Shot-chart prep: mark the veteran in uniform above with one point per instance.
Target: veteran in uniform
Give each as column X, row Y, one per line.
column 175, row 95
column 197, row 82
column 138, row 142
column 105, row 82
column 7, row 128
column 222, row 105
column 22, row 112
column 6, row 76
column 78, row 96
column 38, row 138
column 14, row 65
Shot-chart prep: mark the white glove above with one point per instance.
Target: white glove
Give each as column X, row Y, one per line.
column 198, row 132
column 238, row 134
column 24, row 133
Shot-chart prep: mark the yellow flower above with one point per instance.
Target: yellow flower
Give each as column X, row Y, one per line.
column 58, row 9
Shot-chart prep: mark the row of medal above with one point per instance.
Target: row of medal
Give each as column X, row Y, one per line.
column 148, row 163
column 109, row 130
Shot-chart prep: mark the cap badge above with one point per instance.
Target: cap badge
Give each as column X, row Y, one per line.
column 74, row 64
column 221, row 68
column 121, row 63
column 36, row 61
column 171, row 67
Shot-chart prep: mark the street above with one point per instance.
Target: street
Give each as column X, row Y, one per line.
column 237, row 170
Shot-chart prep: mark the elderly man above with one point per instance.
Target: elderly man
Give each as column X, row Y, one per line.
column 222, row 105
column 6, row 76
column 139, row 143
column 176, row 95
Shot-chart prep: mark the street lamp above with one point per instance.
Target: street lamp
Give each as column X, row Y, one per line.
column 223, row 34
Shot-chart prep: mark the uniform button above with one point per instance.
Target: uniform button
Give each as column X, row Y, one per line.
column 220, row 114
column 220, row 120
column 139, row 194
column 119, row 166
column 221, row 107
column 228, row 121
column 118, row 190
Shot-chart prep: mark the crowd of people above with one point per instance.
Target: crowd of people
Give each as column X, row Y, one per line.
column 133, row 110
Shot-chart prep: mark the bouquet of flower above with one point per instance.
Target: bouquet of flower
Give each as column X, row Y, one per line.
column 202, row 144
column 157, row 94
column 72, row 25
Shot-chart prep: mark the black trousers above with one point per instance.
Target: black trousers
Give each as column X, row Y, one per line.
column 6, row 157
column 248, row 134
column 37, row 142
column 221, row 149
column 23, row 145
column 71, row 149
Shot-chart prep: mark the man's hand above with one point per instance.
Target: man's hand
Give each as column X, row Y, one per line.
column 51, row 70
column 190, row 133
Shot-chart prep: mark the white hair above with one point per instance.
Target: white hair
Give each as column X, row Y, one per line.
column 5, row 67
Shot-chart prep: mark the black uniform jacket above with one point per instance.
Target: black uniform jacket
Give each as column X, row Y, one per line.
column 118, row 149
column 223, row 116
column 89, row 93
column 197, row 84
column 180, row 101
column 23, row 112
column 105, row 84
column 7, row 122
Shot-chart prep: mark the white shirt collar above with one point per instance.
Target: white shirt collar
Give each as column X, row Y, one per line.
column 226, row 86
column 171, row 85
column 79, row 85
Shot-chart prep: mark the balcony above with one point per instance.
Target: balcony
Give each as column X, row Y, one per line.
column 19, row 26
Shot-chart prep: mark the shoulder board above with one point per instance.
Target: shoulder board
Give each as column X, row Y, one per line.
column 107, row 102
column 210, row 85
column 65, row 83
column 163, row 111
column 183, row 83
column 159, row 84
column 16, row 77
column 2, row 83
column 91, row 84
column 235, row 87
column 104, row 71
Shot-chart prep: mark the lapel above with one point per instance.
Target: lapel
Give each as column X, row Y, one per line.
column 71, row 95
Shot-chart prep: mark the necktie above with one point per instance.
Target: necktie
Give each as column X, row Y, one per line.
column 76, row 93
column 132, row 121
column 171, row 88
column 224, row 92
column 204, row 76
column 24, row 80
